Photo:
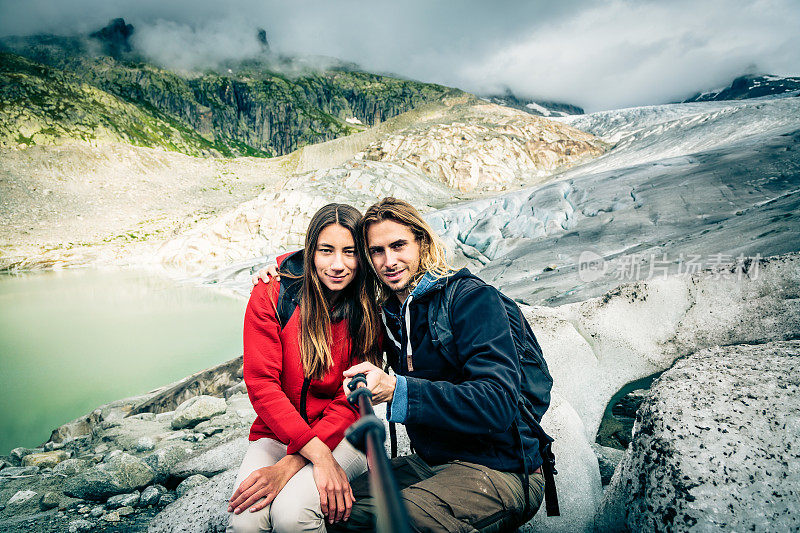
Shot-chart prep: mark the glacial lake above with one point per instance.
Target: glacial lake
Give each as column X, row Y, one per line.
column 73, row 340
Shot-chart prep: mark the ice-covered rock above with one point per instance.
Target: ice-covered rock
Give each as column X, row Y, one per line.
column 726, row 459
column 594, row 348
column 607, row 459
column 677, row 196
column 578, row 480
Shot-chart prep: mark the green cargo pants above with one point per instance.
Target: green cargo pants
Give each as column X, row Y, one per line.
column 455, row 497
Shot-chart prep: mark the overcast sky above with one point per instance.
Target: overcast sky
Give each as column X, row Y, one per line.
column 596, row 54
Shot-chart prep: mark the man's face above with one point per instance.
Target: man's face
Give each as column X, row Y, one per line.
column 395, row 254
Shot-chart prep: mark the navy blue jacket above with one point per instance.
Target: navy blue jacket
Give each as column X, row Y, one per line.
column 462, row 410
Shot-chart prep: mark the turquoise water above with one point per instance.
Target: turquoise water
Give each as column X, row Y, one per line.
column 73, row 340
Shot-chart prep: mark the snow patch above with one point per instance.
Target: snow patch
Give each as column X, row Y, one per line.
column 536, row 107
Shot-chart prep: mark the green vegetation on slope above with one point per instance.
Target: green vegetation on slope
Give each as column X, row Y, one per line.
column 253, row 111
column 42, row 105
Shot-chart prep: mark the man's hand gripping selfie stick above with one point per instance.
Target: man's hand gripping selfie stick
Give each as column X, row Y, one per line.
column 368, row 434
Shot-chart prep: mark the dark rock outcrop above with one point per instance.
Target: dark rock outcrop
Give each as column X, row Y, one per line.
column 542, row 108
column 114, row 37
column 749, row 86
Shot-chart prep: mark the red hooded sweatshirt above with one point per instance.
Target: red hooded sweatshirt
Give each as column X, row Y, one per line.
column 274, row 377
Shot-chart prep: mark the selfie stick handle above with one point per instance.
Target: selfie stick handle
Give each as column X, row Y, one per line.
column 368, row 435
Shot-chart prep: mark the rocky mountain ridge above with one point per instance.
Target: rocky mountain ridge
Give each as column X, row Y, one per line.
column 749, row 86
column 534, row 106
column 247, row 108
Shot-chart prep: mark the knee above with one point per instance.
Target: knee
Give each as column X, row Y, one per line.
column 245, row 522
column 291, row 517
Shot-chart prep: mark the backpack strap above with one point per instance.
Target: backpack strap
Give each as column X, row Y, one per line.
column 289, row 293
column 548, row 466
column 439, row 324
column 549, row 470
column 288, row 299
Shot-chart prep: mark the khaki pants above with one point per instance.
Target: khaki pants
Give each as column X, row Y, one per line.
column 296, row 507
column 454, row 497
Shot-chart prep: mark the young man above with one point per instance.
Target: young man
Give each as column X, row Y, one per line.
column 460, row 411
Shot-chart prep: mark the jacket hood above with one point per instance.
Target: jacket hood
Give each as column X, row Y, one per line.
column 427, row 285
column 430, row 283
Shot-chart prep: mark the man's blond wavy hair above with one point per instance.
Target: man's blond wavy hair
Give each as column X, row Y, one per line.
column 432, row 253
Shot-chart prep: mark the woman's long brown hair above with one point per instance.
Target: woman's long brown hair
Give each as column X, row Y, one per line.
column 356, row 304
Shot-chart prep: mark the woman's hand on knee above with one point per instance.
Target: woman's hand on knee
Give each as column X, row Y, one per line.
column 259, row 489
column 335, row 494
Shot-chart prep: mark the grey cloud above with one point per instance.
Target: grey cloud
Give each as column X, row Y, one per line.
column 600, row 55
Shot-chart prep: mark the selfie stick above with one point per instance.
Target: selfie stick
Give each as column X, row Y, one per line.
column 368, row 434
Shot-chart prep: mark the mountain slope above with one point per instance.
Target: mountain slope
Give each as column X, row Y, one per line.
column 40, row 105
column 248, row 108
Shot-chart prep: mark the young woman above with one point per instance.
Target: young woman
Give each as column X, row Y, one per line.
column 296, row 471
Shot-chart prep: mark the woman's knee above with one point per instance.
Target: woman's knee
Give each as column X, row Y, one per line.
column 247, row 522
column 290, row 516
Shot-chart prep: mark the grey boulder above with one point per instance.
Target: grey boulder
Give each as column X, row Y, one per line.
column 214, row 460
column 164, row 460
column 70, row 467
column 123, row 500
column 14, row 471
column 197, row 409
column 121, row 474
column 79, row 525
column 150, row 495
column 189, row 483
column 202, row 510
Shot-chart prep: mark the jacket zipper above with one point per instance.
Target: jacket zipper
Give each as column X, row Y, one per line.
column 303, row 396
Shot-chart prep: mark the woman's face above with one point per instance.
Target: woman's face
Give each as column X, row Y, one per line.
column 335, row 258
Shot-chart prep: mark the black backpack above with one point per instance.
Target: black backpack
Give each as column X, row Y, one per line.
column 536, row 381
